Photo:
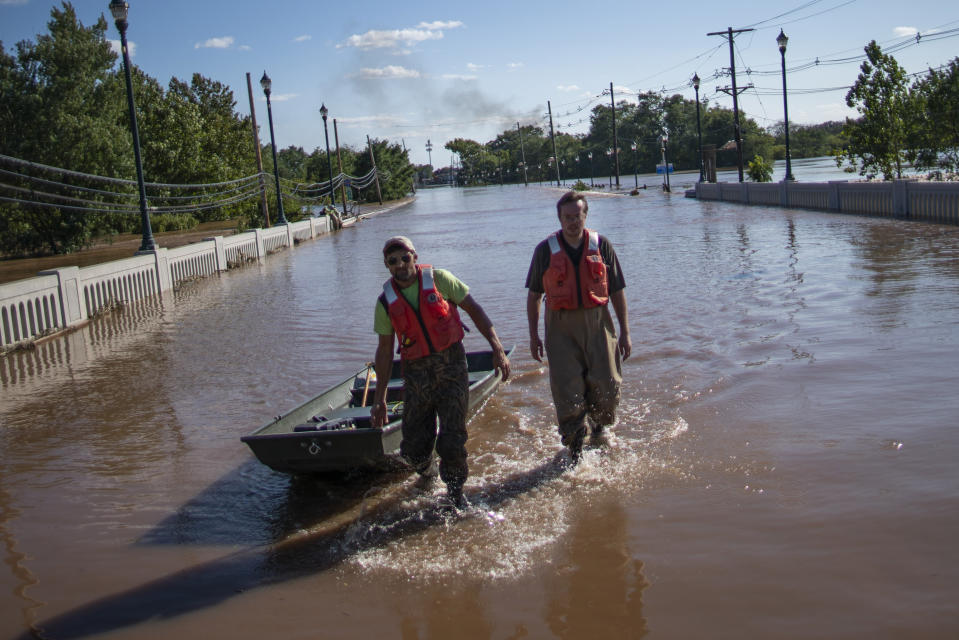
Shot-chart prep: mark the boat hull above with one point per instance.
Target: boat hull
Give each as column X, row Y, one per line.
column 332, row 432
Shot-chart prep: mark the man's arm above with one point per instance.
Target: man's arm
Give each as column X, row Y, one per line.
column 383, row 361
column 618, row 299
column 485, row 327
column 533, row 302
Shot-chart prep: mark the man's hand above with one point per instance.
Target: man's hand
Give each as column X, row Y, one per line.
column 378, row 414
column 536, row 348
column 501, row 362
column 625, row 345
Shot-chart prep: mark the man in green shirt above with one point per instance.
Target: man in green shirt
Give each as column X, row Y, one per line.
column 419, row 305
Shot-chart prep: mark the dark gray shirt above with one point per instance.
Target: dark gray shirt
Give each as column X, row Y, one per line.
column 541, row 256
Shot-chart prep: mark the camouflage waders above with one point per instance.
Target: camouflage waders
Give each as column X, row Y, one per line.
column 437, row 385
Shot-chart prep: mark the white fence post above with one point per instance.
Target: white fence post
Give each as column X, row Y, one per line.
column 72, row 312
column 900, row 198
column 260, row 251
column 221, row 264
column 164, row 278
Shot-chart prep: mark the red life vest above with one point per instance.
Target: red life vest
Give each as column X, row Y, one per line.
column 434, row 328
column 560, row 279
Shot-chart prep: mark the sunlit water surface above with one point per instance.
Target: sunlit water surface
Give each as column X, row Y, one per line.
column 784, row 465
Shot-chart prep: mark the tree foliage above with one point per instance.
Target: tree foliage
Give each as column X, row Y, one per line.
column 61, row 104
column 937, row 128
column 877, row 140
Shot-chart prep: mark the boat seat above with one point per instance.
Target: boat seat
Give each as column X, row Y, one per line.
column 394, row 392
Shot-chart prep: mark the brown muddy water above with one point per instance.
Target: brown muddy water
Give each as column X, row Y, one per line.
column 784, row 466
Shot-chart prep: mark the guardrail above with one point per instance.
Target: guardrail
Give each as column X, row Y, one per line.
column 59, row 299
column 905, row 199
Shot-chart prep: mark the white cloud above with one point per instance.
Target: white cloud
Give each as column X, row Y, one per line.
column 14, row 1
column 115, row 45
column 568, row 87
column 393, row 38
column 902, row 32
column 475, row 67
column 302, row 38
column 245, row 47
column 439, row 24
column 281, row 97
column 512, row 66
column 458, row 76
column 216, row 43
column 389, row 71
column 387, row 39
column 384, row 120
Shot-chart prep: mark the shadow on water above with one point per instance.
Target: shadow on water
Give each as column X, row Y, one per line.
column 253, row 505
column 345, row 526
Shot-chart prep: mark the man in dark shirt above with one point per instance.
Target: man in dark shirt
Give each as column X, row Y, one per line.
column 579, row 273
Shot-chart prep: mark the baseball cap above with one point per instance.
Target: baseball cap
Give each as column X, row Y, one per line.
column 398, row 241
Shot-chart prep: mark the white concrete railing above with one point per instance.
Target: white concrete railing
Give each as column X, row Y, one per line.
column 907, row 199
column 62, row 298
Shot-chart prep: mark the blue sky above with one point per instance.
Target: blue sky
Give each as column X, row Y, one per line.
column 414, row 70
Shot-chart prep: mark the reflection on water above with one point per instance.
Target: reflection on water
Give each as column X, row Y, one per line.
column 790, row 367
column 598, row 554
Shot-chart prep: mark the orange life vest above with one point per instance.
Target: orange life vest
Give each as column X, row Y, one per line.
column 435, row 327
column 559, row 280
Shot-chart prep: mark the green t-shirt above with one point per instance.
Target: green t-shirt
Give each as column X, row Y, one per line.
column 449, row 286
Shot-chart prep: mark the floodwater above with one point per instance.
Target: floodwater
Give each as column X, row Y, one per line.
column 784, row 465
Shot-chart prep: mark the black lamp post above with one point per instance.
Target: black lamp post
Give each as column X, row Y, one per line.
column 635, row 164
column 324, row 112
column 781, row 39
column 699, row 130
column 119, row 9
column 591, row 172
column 267, row 85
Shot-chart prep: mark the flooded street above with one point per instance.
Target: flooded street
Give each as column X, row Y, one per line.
column 784, row 464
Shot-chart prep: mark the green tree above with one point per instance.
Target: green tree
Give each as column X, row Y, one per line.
column 391, row 160
column 937, row 127
column 877, row 140
column 61, row 105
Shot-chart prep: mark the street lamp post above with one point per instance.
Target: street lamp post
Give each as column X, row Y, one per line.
column 267, row 85
column 699, row 130
column 324, row 112
column 635, row 164
column 591, row 173
column 119, row 9
column 781, row 39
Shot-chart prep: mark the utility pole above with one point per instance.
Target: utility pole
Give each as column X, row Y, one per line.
column 412, row 179
column 612, row 102
column 259, row 156
column 522, row 148
column 339, row 163
column 729, row 34
column 553, row 138
column 376, row 174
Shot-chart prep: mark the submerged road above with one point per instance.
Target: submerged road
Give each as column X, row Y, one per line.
column 783, row 465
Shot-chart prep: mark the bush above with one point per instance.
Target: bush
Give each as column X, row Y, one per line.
column 172, row 222
column 580, row 186
column 760, row 170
